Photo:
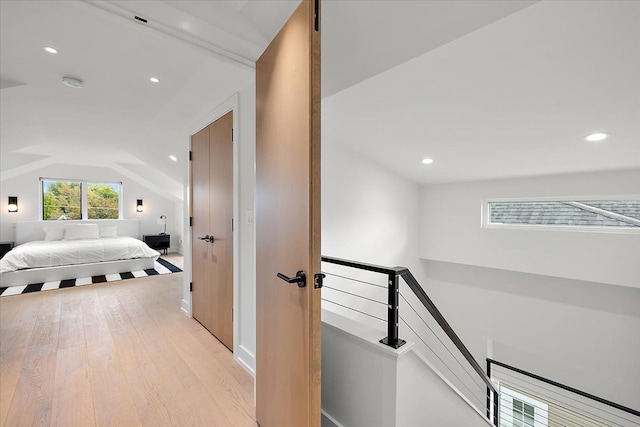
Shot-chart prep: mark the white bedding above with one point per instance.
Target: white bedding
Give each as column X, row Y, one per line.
column 40, row 253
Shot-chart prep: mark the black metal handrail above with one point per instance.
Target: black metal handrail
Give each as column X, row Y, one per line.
column 364, row 266
column 563, row 387
column 392, row 339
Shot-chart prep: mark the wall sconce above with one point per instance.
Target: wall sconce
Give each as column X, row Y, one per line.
column 139, row 206
column 13, row 204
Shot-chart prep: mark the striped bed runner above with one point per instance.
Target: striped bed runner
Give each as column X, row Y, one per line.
column 161, row 266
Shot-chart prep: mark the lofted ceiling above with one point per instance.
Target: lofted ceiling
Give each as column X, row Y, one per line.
column 487, row 88
column 513, row 98
column 119, row 118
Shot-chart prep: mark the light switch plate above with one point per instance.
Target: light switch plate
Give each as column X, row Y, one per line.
column 250, row 217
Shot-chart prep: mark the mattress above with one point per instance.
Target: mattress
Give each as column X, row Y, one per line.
column 38, row 254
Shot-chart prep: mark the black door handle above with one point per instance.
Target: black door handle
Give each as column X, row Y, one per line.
column 300, row 279
column 207, row 238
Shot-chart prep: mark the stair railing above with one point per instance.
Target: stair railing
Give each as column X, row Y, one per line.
column 586, row 407
column 393, row 319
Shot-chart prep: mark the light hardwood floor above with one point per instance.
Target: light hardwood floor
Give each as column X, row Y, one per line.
column 116, row 354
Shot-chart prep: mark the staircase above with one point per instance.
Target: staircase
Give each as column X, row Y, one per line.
column 390, row 359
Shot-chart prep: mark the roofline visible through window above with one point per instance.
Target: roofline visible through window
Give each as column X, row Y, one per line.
column 484, row 215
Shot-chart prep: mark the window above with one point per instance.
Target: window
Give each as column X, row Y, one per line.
column 74, row 199
column 103, row 201
column 522, row 414
column 622, row 214
column 518, row 409
column 61, row 200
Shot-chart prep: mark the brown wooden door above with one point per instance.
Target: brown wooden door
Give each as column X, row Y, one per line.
column 201, row 265
column 288, row 224
column 212, row 184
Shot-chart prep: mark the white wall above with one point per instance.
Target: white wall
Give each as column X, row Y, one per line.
column 543, row 298
column 367, row 384
column 372, row 215
column 582, row 334
column 27, row 187
column 368, row 213
column 359, row 375
column 247, row 151
column 574, row 331
column 177, row 242
column 451, row 230
column 426, row 399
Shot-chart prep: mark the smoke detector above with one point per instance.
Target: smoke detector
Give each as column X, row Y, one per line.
column 72, row 82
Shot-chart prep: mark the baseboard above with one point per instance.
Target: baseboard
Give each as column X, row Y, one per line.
column 246, row 360
column 184, row 306
column 329, row 421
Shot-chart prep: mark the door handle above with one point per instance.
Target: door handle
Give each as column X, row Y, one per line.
column 207, row 238
column 300, row 279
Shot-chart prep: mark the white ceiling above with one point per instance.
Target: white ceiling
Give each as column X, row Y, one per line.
column 514, row 98
column 119, row 117
column 361, row 39
column 487, row 88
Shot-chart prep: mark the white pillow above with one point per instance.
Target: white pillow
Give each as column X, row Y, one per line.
column 81, row 231
column 111, row 231
column 53, row 232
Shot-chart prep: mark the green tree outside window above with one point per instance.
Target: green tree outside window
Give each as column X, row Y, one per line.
column 63, row 200
column 103, row 201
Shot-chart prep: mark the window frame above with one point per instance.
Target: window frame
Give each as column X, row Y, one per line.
column 484, row 214
column 540, row 408
column 523, row 422
column 41, row 197
column 84, row 206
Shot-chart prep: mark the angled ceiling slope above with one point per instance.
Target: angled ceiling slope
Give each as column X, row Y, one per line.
column 513, row 98
column 119, row 114
column 489, row 89
column 362, row 39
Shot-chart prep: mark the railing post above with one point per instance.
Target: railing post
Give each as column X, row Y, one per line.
column 393, row 316
column 492, row 402
column 496, row 409
column 488, row 391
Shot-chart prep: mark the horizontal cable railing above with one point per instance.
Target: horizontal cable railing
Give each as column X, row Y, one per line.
column 367, row 300
column 448, row 362
column 553, row 403
column 560, row 418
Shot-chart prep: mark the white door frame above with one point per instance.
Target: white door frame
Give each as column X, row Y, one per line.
column 231, row 104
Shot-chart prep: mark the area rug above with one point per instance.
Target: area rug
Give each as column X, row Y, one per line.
column 161, row 266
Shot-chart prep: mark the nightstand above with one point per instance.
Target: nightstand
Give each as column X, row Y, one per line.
column 158, row 241
column 4, row 248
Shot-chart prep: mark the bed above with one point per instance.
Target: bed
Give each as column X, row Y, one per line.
column 53, row 250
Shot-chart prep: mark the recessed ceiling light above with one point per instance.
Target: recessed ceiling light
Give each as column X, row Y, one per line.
column 174, row 158
column 427, row 161
column 154, row 80
column 72, row 82
column 595, row 137
column 50, row 49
